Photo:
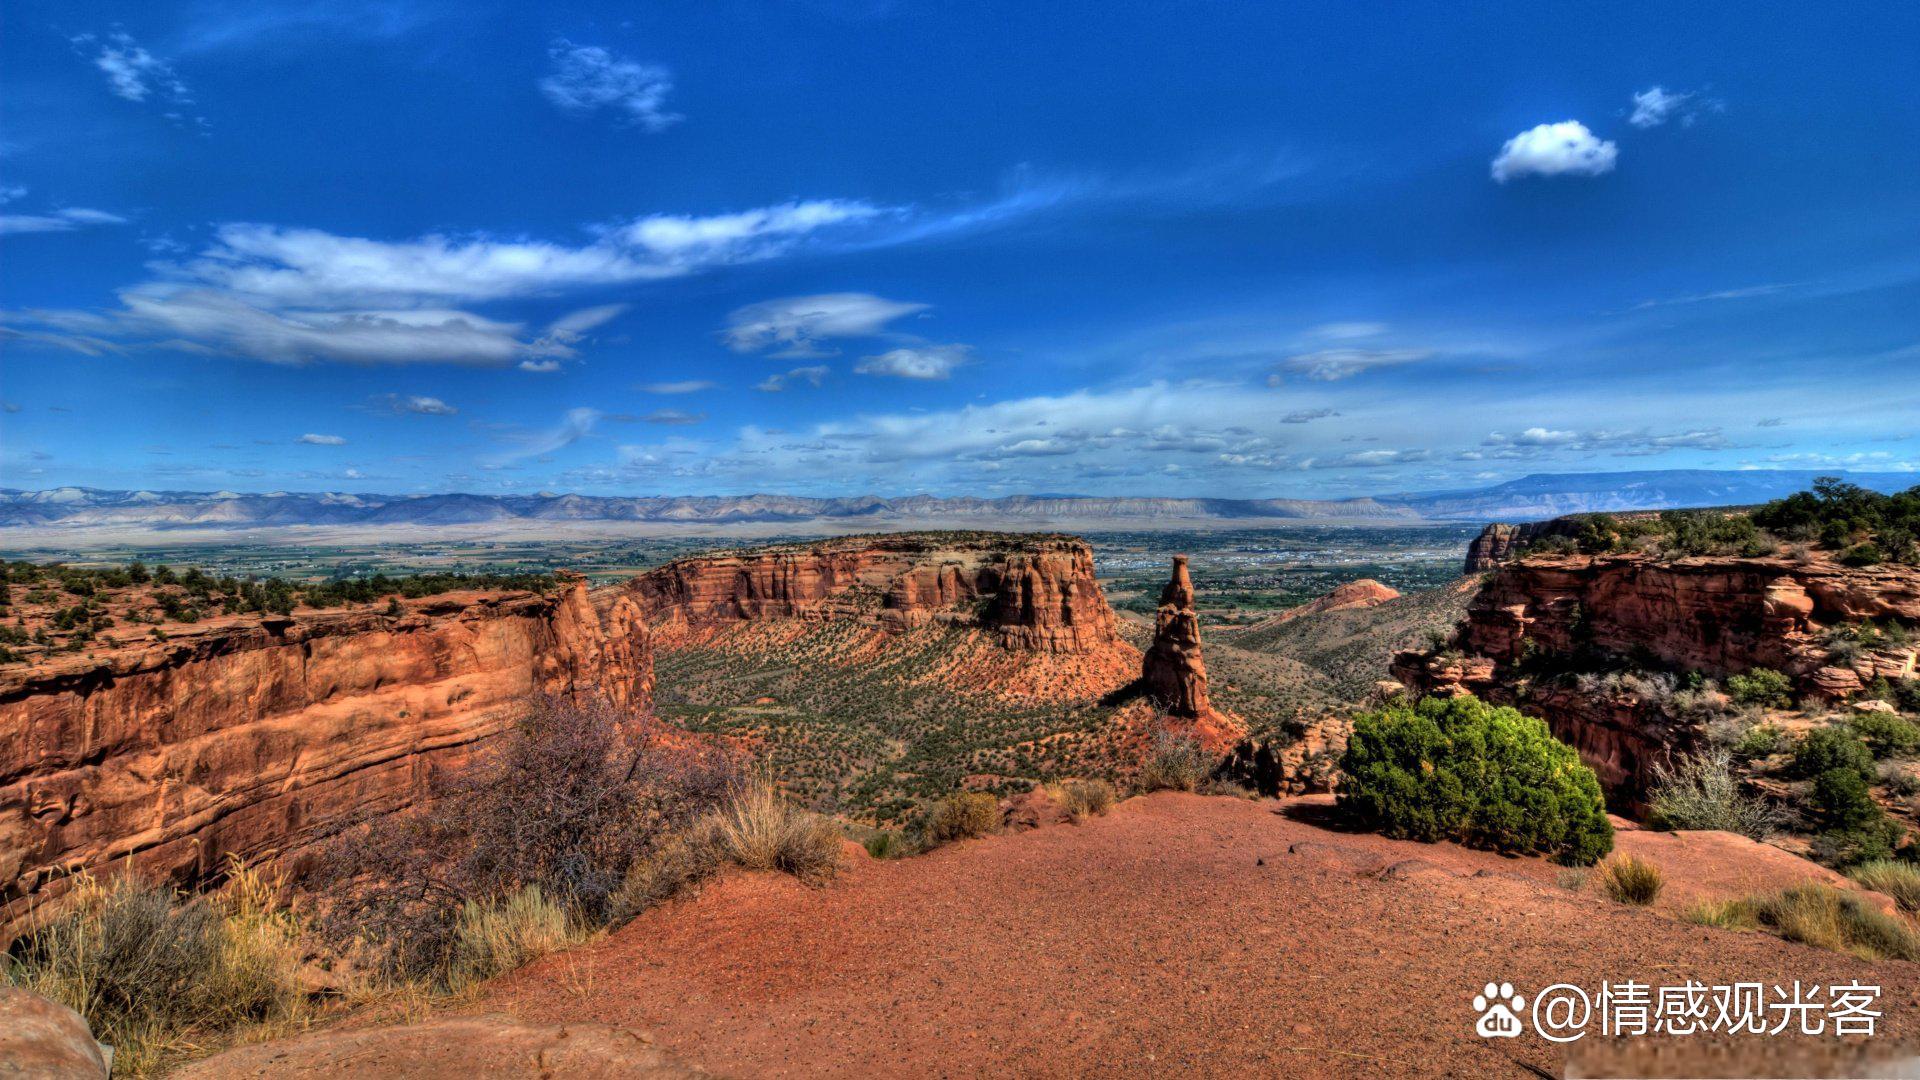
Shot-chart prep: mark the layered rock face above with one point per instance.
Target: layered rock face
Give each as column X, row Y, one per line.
column 1174, row 674
column 1033, row 593
column 1719, row 615
column 251, row 736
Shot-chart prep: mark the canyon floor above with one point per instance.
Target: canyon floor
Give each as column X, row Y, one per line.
column 1184, row 935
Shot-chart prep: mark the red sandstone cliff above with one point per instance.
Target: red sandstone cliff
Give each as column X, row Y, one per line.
column 1718, row 615
column 1033, row 593
column 252, row 735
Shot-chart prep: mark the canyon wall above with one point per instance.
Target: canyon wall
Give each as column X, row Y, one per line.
column 258, row 735
column 1717, row 615
column 1031, row 592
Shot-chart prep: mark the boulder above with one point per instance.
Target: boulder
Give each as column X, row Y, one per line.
column 45, row 1040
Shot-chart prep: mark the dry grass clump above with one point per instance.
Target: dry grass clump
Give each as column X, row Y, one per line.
column 155, row 973
column 1836, row 919
column 1630, row 880
column 1701, row 792
column 760, row 830
column 494, row 937
column 962, row 816
column 1817, row 915
column 1177, row 762
column 1082, row 799
column 1896, row 878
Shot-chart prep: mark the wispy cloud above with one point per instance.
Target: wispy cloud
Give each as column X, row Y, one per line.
column 1332, row 365
column 1657, row 105
column 62, row 220
column 416, row 404
column 812, row 375
column 137, row 75
column 575, row 425
column 311, row 439
column 916, row 361
column 588, row 78
column 1563, row 149
column 683, row 386
column 800, row 326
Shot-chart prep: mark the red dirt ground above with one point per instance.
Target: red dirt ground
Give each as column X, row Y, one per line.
column 1178, row 936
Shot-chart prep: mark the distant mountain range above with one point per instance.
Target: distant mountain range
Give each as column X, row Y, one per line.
column 1528, row 498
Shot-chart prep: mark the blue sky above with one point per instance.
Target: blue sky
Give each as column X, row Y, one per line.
column 832, row 248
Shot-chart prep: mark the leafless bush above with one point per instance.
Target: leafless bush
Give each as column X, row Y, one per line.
column 575, row 798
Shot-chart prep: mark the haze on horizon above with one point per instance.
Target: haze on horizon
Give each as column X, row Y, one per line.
column 835, row 248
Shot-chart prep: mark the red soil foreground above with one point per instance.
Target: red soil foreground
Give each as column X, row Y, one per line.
column 1178, row 936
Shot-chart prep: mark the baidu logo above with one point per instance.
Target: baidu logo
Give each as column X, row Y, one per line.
column 1499, row 1008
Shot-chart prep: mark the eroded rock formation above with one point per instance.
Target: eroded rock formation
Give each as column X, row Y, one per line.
column 251, row 735
column 1350, row 596
column 1174, row 674
column 1718, row 615
column 1034, row 593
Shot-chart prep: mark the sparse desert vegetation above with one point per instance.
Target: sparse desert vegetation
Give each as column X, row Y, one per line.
column 1631, row 880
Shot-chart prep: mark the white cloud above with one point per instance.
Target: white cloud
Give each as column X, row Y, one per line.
column 274, row 265
column 64, row 220
column 321, row 440
column 916, row 362
column 683, row 386
column 1563, row 149
column 1654, row 106
column 796, row 326
column 587, row 77
column 540, row 367
column 137, row 75
column 1330, row 365
column 574, row 325
column 420, row 405
column 1538, row 441
column 812, row 376
column 672, row 417
column 575, row 425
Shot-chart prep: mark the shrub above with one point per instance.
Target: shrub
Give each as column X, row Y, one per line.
column 1764, row 687
column 1082, row 799
column 1906, row 695
column 1177, row 762
column 154, row 972
column 1701, row 792
column 1828, row 748
column 1843, row 800
column 1899, row 879
column 1761, row 740
column 1850, row 847
column 1863, row 554
column 1631, row 881
column 492, row 937
column 675, row 866
column 1830, row 918
column 575, row 799
column 1464, row 770
column 962, row 816
column 760, row 830
column 1887, row 735
column 887, row 844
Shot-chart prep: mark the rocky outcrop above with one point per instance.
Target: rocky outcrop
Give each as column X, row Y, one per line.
column 251, row 735
column 1305, row 762
column 1718, row 615
column 1492, row 547
column 1031, row 592
column 1173, row 672
column 43, row 1039
column 1351, row 596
